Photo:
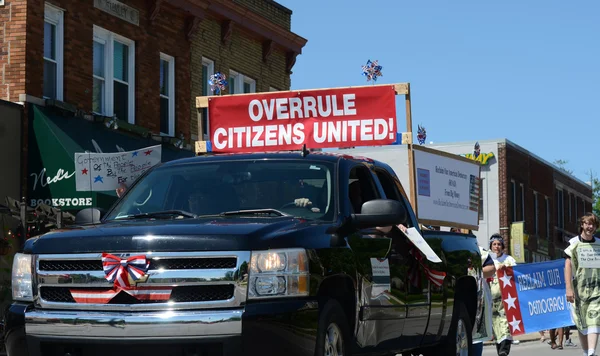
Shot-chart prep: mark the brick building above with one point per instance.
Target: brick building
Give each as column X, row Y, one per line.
column 517, row 186
column 141, row 61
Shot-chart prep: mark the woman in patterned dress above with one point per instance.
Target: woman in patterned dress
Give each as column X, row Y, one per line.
column 501, row 328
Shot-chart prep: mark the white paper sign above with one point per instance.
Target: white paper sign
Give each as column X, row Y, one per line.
column 105, row 171
column 415, row 237
column 447, row 189
column 588, row 256
column 381, row 277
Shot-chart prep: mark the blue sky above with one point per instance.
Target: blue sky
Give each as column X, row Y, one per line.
column 527, row 71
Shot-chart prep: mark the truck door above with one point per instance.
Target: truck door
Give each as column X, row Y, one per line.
column 411, row 285
column 380, row 312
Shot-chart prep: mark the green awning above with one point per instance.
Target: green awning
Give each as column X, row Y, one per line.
column 53, row 141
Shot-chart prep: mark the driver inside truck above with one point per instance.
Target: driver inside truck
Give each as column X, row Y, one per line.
column 357, row 200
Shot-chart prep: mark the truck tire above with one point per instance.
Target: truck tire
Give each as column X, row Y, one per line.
column 333, row 336
column 459, row 341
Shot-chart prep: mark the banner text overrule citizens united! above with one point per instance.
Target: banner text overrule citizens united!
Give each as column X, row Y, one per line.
column 344, row 117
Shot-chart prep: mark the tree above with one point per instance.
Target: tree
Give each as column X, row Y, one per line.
column 595, row 195
column 562, row 165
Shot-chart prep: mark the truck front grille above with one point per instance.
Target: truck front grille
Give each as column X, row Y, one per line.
column 175, row 263
column 187, row 294
column 196, row 280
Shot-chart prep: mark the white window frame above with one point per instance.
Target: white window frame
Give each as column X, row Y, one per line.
column 210, row 64
column 211, row 70
column 536, row 213
column 55, row 16
column 242, row 79
column 108, row 38
column 171, row 88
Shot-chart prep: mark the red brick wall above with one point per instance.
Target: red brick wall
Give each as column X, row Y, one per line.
column 13, row 16
column 540, row 177
column 167, row 34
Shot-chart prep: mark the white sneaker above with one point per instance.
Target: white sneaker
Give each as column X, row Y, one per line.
column 570, row 343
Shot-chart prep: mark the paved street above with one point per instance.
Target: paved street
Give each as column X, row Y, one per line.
column 536, row 348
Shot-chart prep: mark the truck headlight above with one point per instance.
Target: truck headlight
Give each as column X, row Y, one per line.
column 278, row 273
column 22, row 288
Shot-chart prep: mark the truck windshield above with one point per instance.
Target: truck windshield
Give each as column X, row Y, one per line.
column 299, row 188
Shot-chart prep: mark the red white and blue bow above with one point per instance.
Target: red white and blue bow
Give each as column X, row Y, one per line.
column 122, row 272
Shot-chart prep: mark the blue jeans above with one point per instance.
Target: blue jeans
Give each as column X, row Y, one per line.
column 478, row 349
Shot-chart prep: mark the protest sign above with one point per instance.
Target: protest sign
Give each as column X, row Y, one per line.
column 342, row 117
column 105, row 171
column 534, row 297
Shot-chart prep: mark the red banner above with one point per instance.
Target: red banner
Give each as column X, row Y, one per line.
column 344, row 117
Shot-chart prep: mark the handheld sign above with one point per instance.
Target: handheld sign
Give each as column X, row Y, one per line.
column 534, row 297
column 342, row 117
column 105, row 171
column 420, row 243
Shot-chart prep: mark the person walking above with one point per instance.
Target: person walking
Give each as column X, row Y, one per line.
column 582, row 277
column 484, row 327
column 501, row 328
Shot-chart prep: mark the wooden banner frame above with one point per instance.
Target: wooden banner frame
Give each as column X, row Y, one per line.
column 399, row 88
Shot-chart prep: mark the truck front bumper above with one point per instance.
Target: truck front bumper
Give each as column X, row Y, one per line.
column 259, row 329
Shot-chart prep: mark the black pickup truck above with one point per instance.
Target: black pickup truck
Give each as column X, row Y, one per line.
column 247, row 254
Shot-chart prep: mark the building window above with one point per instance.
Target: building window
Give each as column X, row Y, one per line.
column 208, row 69
column 513, row 193
column 241, row 84
column 481, row 190
column 53, row 52
column 114, row 75
column 548, row 218
column 273, row 89
column 167, row 95
column 522, row 202
column 560, row 209
column 536, row 214
column 570, row 208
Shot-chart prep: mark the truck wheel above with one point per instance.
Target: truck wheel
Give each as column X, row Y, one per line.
column 333, row 335
column 460, row 337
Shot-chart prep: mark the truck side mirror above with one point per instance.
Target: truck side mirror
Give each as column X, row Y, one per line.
column 88, row 216
column 380, row 212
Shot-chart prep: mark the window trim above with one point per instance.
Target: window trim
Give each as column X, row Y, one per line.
column 55, row 16
column 172, row 96
column 108, row 38
column 241, row 80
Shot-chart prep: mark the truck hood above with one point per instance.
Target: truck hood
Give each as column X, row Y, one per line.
column 215, row 234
